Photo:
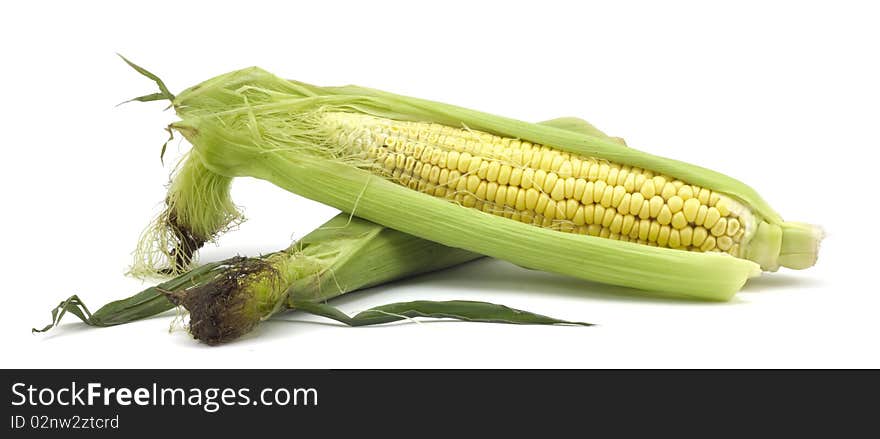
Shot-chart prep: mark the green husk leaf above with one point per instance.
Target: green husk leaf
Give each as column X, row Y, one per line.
column 147, row 303
column 576, row 125
column 147, row 98
column 163, row 90
column 466, row 310
column 73, row 305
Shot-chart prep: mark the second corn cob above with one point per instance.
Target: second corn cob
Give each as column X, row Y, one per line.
column 228, row 299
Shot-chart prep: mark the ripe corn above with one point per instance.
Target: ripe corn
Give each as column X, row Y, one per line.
column 556, row 197
column 543, row 186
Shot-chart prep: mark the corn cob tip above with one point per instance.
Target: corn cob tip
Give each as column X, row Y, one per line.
column 800, row 245
column 230, row 305
column 788, row 244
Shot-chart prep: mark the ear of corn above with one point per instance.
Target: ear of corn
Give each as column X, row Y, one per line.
column 343, row 255
column 230, row 298
column 699, row 233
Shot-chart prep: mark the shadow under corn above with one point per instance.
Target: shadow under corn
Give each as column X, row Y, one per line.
column 768, row 282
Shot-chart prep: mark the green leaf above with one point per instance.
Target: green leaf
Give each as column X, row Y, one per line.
column 162, row 94
column 72, row 305
column 466, row 310
column 145, row 98
column 575, row 125
column 146, row 303
column 163, row 90
column 165, row 146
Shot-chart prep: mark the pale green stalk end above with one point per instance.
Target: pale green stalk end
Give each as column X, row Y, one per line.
column 789, row 244
column 800, row 245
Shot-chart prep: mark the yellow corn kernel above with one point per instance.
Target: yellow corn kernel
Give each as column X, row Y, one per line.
column 631, row 182
column 733, row 226
column 565, row 169
column 675, row 204
column 659, row 182
column 578, row 218
column 599, row 190
column 702, row 212
column 516, row 175
column 504, row 174
column 598, row 214
column 616, row 225
column 653, row 231
column 647, row 189
column 690, row 208
column 720, row 227
column 679, row 221
column 549, row 182
column 635, row 202
column 607, row 196
column 686, row 234
column 609, row 216
column 568, row 192
column 645, row 210
column 512, row 192
column 571, row 207
column 645, row 229
column 634, row 231
column 604, row 168
column 587, row 198
column 623, row 206
column 558, row 191
column 617, row 196
column 668, row 191
column 700, row 235
column 656, row 204
column 663, row 236
column 550, row 210
column 627, row 223
column 708, row 244
column 543, row 199
column 579, row 186
column 528, row 178
column 712, row 217
column 685, row 193
column 589, row 213
column 665, row 215
column 674, row 239
column 520, row 203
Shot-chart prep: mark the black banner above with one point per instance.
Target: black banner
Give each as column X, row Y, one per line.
column 404, row 402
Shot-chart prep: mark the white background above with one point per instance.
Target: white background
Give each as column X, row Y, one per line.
column 781, row 95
